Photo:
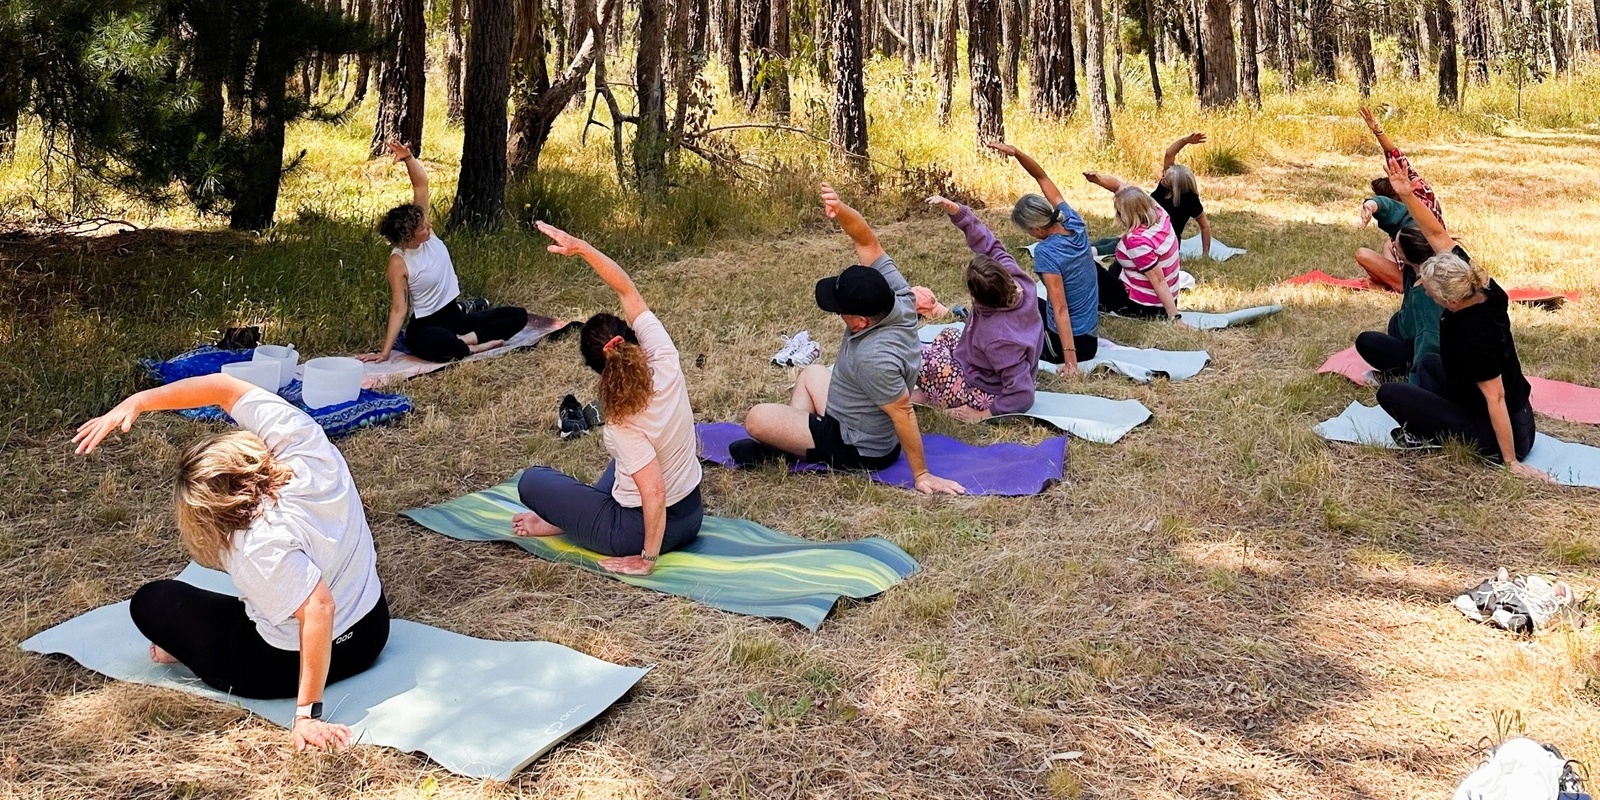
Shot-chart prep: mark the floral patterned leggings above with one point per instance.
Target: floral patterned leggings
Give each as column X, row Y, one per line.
column 942, row 378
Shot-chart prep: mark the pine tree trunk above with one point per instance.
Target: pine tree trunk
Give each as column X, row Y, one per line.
column 1116, row 49
column 1555, row 40
column 1286, row 54
column 1095, row 61
column 481, row 189
column 255, row 197
column 753, row 19
column 364, row 60
column 983, row 60
column 650, row 140
column 1051, row 68
column 1410, row 49
column 1011, row 36
column 404, row 79
column 849, row 85
column 731, row 17
column 1324, row 40
column 1221, row 85
column 947, row 58
column 453, row 54
column 778, row 87
column 13, row 90
column 1449, row 80
column 1361, row 48
column 1249, row 68
column 539, row 99
column 822, row 42
column 1267, row 34
column 1152, row 41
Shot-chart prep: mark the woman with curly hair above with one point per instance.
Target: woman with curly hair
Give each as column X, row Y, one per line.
column 275, row 507
column 647, row 502
column 423, row 286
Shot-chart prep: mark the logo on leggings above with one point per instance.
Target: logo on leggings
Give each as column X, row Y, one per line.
column 345, row 637
column 561, row 723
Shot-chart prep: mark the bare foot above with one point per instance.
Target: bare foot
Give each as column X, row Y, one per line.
column 529, row 524
column 161, row 656
column 470, row 338
column 489, row 345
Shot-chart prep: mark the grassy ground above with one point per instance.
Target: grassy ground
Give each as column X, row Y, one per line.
column 1219, row 606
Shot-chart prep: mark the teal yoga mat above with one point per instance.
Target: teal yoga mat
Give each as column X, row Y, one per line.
column 735, row 565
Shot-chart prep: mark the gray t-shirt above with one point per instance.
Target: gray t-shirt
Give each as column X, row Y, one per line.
column 875, row 367
column 316, row 530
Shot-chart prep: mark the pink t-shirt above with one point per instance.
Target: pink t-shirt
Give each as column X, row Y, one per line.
column 663, row 431
column 1143, row 249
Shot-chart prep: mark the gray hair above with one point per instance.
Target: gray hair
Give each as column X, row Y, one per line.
column 1033, row 212
column 1449, row 279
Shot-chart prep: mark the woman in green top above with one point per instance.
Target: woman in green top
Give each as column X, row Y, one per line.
column 1384, row 207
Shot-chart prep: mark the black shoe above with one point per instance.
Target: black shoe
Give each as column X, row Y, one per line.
column 570, row 415
column 751, row 453
column 591, row 415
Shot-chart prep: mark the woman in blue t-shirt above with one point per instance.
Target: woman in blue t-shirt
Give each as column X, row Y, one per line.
column 1064, row 261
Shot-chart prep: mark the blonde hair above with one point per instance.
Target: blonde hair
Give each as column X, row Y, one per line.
column 222, row 482
column 1450, row 279
column 1181, row 180
column 626, row 383
column 1135, row 208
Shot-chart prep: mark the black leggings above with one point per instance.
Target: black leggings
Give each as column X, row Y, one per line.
column 1114, row 297
column 1425, row 412
column 1087, row 344
column 210, row 634
column 592, row 519
column 1387, row 353
column 437, row 337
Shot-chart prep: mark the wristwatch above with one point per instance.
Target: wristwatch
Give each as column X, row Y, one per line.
column 649, row 558
column 309, row 711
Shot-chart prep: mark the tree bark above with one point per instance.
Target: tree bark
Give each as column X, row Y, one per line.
column 849, row 121
column 1410, row 49
column 778, row 66
column 1361, row 48
column 1221, row 85
column 1249, row 68
column 1095, row 61
column 650, row 140
column 947, row 58
column 755, row 15
column 454, row 52
column 1324, row 40
column 1116, row 50
column 1286, row 54
column 1011, row 22
column 481, row 190
column 256, row 196
column 983, row 57
column 1449, row 80
column 402, row 83
column 540, row 100
column 1152, row 40
column 1051, row 68
column 731, row 17
column 364, row 60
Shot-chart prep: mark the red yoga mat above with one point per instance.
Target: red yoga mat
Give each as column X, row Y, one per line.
column 1556, row 399
column 1532, row 295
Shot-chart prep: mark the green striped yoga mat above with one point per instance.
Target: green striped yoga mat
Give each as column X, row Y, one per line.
column 734, row 565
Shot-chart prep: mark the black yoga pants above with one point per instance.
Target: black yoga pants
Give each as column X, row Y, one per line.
column 1087, row 344
column 1425, row 412
column 1114, row 297
column 436, row 337
column 1387, row 353
column 592, row 519
column 210, row 634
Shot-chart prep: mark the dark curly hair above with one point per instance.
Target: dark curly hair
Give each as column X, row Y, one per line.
column 626, row 384
column 401, row 223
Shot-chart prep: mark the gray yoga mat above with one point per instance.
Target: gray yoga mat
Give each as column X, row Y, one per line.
column 1569, row 463
column 1207, row 321
column 1095, row 419
column 1141, row 364
column 479, row 708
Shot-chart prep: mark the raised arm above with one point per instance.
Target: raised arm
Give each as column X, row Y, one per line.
column 414, row 171
column 1171, row 156
column 568, row 245
column 198, row 392
column 1106, row 182
column 1047, row 187
column 855, row 226
column 1400, row 181
column 980, row 240
column 1377, row 130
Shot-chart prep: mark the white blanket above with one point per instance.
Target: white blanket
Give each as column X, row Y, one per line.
column 1141, row 364
column 1190, row 248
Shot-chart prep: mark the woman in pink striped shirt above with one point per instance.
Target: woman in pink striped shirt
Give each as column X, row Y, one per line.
column 1144, row 282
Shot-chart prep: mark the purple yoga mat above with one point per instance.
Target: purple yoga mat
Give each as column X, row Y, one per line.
column 1006, row 470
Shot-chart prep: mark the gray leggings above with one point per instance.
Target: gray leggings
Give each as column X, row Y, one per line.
column 594, row 520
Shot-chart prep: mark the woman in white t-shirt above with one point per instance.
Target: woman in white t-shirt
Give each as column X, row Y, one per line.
column 423, row 286
column 274, row 506
column 648, row 500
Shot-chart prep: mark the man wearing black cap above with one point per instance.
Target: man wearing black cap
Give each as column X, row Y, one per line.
column 857, row 415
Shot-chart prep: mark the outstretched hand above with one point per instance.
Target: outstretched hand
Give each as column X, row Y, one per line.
column 950, row 207
column 315, row 734
column 929, row 483
column 1195, row 138
column 91, row 433
column 1532, row 473
column 1003, row 148
column 830, row 201
column 400, row 152
column 1092, row 177
column 565, row 243
column 1399, row 178
column 1372, row 122
column 1367, row 209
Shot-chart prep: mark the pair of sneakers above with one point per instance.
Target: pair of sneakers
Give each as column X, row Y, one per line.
column 797, row 351
column 577, row 419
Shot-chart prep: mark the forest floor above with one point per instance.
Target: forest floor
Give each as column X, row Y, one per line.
column 1220, row 605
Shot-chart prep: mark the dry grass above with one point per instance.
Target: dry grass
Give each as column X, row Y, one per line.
column 1219, row 606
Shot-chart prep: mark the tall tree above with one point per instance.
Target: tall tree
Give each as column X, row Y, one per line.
column 730, row 16
column 983, row 56
column 1324, row 39
column 1249, row 67
column 849, row 123
column 1360, row 28
column 363, row 60
column 1095, row 63
column 1051, row 68
column 946, row 66
column 650, row 140
column 755, row 20
column 539, row 100
column 779, row 53
column 1151, row 40
column 1221, row 84
column 1286, row 54
column 481, row 189
column 1449, row 78
column 403, row 81
column 1011, row 22
column 455, row 50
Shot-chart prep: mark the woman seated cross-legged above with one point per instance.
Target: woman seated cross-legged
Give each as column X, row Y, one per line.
column 274, row 506
column 986, row 368
column 647, row 502
column 1144, row 280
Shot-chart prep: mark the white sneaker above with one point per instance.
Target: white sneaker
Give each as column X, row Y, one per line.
column 791, row 346
column 805, row 354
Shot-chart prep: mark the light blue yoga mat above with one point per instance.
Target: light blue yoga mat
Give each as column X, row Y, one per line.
column 1208, row 321
column 1569, row 463
column 479, row 708
column 1143, row 365
column 1095, row 419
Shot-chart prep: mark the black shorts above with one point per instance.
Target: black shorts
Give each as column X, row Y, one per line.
column 828, row 447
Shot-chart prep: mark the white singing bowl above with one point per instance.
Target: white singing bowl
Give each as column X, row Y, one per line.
column 285, row 357
column 330, row 381
column 260, row 373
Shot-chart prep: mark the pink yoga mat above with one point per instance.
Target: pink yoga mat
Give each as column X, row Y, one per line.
column 1556, row 399
column 1533, row 295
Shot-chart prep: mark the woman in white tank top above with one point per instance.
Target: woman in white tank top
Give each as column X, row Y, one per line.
column 423, row 286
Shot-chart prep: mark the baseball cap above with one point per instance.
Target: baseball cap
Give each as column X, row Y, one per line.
column 858, row 290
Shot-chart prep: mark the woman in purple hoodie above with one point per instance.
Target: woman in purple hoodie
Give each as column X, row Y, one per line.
column 988, row 367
